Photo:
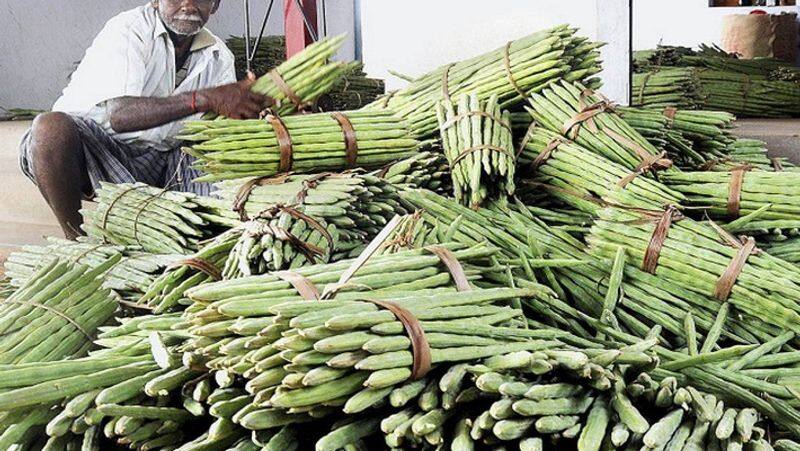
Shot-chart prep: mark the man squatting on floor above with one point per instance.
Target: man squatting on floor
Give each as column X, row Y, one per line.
column 147, row 70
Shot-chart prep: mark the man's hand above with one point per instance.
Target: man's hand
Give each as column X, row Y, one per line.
column 234, row 100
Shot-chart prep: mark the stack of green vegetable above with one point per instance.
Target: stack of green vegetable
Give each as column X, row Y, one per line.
column 404, row 271
column 209, row 331
column 691, row 138
column 752, row 376
column 291, row 220
column 125, row 392
column 412, row 232
column 428, row 170
column 548, row 254
column 297, row 83
column 741, row 94
column 785, row 248
column 282, row 238
column 359, row 204
column 166, row 293
column 725, row 62
column 511, row 73
column 270, row 53
column 749, row 95
column 230, row 149
column 584, row 395
column 750, row 152
column 539, row 251
column 431, row 423
column 55, row 314
column 129, row 278
column 154, row 220
column 260, row 310
column 301, row 219
column 573, row 174
column 664, row 87
column 671, row 55
column 353, row 91
column 6, row 288
column 477, row 141
column 585, row 399
column 457, row 326
column 662, row 55
column 587, row 118
column 590, row 302
column 19, row 114
column 679, row 77
column 695, row 256
column 584, row 314
column 756, row 202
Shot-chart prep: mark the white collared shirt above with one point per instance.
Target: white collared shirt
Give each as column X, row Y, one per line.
column 134, row 56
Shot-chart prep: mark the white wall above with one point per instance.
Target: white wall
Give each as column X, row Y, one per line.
column 40, row 40
column 683, row 22
column 415, row 36
column 614, row 28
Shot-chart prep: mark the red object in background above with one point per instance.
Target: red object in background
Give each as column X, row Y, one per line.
column 297, row 35
column 758, row 11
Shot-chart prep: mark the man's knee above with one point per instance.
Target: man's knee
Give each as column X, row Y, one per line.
column 52, row 134
column 53, row 125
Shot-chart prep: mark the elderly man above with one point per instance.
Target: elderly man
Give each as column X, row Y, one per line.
column 148, row 69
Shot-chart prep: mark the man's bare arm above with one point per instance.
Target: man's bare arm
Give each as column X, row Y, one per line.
column 235, row 100
column 130, row 114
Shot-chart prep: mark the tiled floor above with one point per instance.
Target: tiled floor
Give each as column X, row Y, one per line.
column 782, row 135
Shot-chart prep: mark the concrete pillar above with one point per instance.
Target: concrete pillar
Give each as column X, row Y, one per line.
column 614, row 28
column 300, row 24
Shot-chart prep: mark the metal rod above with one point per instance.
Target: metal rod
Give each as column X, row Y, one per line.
column 261, row 31
column 248, row 56
column 311, row 31
column 324, row 21
column 357, row 31
column 630, row 53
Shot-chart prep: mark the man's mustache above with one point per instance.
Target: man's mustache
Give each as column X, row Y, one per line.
column 188, row 17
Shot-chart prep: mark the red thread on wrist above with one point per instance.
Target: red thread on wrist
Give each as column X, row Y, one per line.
column 194, row 101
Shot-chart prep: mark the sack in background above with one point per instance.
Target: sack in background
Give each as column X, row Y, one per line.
column 764, row 35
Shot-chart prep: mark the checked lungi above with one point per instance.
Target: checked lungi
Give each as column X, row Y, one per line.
column 111, row 160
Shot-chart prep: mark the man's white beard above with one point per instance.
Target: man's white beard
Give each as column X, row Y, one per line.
column 183, row 28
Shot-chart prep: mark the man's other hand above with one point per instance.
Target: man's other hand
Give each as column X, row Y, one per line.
column 234, row 100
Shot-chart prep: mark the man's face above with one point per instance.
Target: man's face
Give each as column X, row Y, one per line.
column 185, row 17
